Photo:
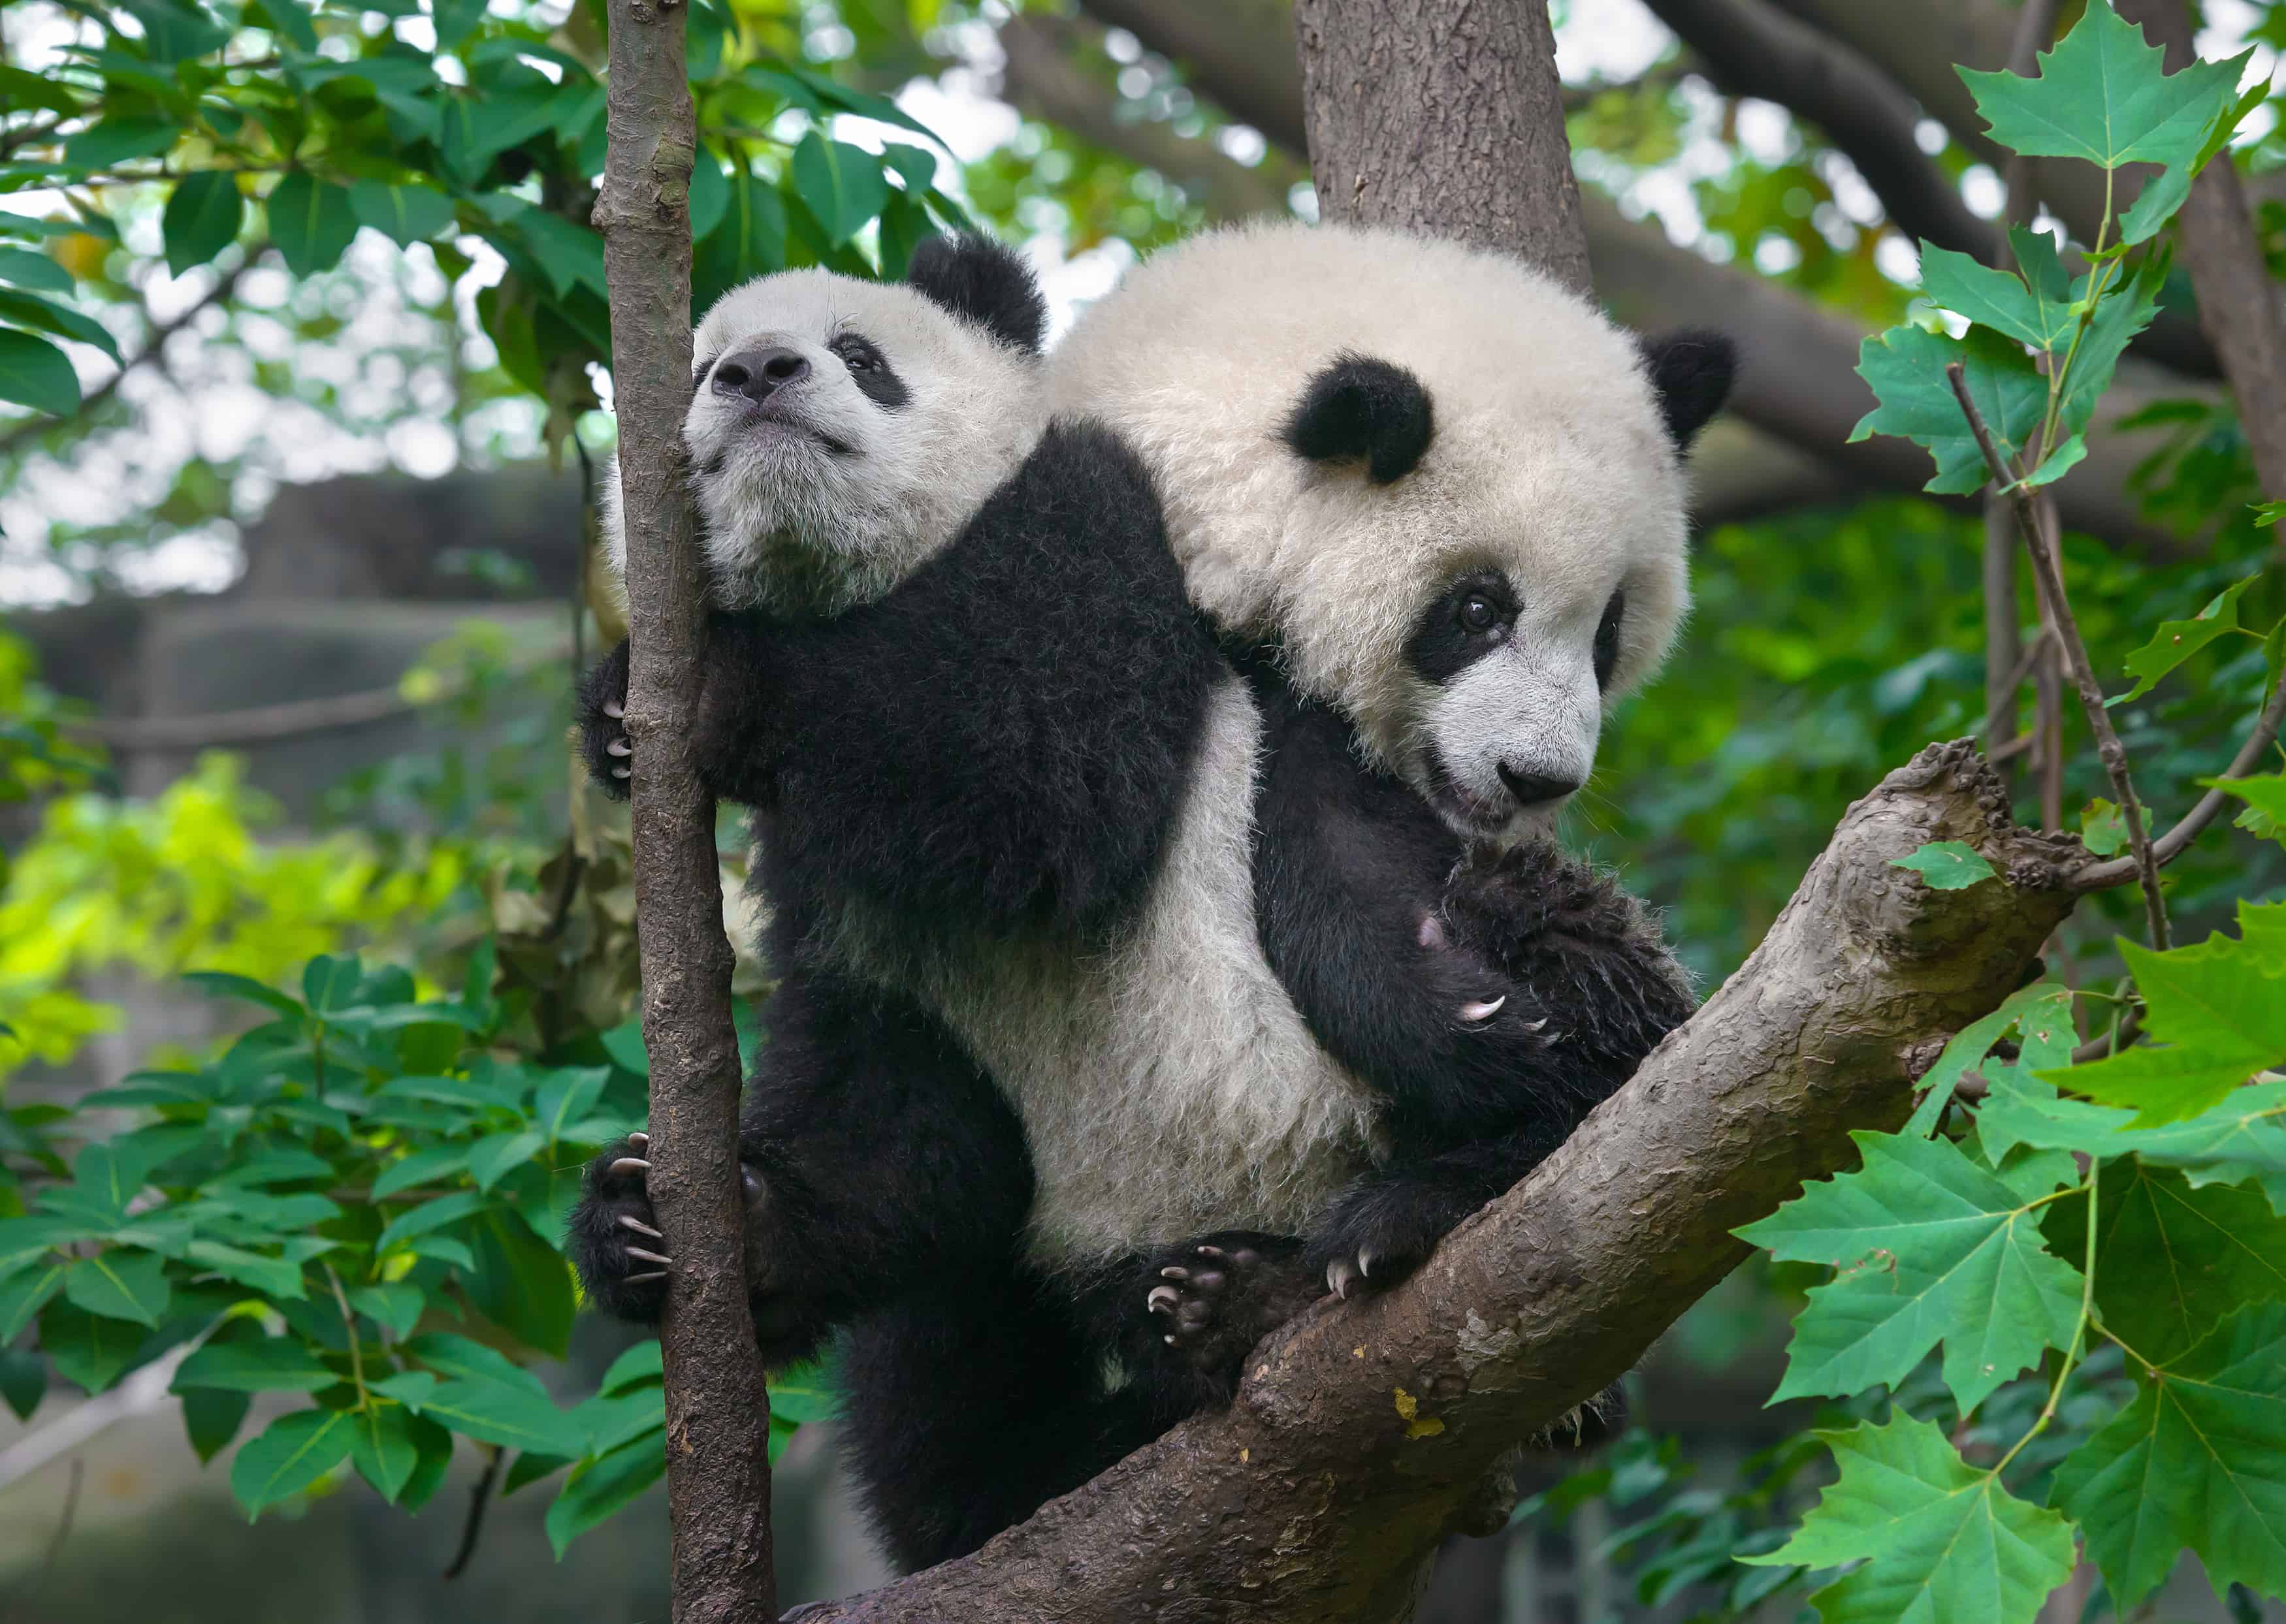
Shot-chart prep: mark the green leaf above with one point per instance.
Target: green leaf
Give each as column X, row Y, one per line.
column 2176, row 641
column 2175, row 1260
column 296, row 1450
column 34, row 373
column 406, row 214
column 463, row 1359
column 2264, row 817
column 1932, row 1248
column 92, row 1349
column 201, row 218
column 2198, row 1460
column 1939, row 1542
column 421, row 1167
column 2103, row 829
column 842, row 184
column 624, row 1043
column 382, row 1449
column 521, row 1282
column 2242, row 1138
column 396, row 1304
column 27, row 310
column 2220, row 1017
column 269, row 1364
column 607, row 1421
column 1946, row 865
column 286, row 18
column 2039, row 1008
column 122, row 1285
column 1995, row 299
column 564, row 1097
column 2058, row 462
column 212, row 1417
column 27, row 268
column 224, row 984
column 495, row 1154
column 22, row 1295
column 276, row 1277
column 2101, row 97
column 751, row 241
column 802, row 1394
column 710, row 195
column 456, row 20
column 21, row 89
column 23, row 1380
column 428, row 1216
column 602, row 1488
column 115, row 141
column 311, row 223
column 2165, row 194
column 568, row 253
column 512, row 1416
column 1906, row 367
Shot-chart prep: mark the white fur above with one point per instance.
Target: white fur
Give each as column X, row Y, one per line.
column 793, row 524
column 1549, row 461
column 1168, row 1087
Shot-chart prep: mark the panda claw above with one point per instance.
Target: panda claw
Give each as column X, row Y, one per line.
column 1534, row 1026
column 637, row 1280
column 618, row 747
column 1342, row 1277
column 1174, row 1272
column 638, row 1251
column 1365, row 1263
column 618, row 772
column 749, row 1183
column 1477, row 1013
column 630, row 1165
column 627, row 1220
column 1162, row 1301
column 1432, row 933
column 641, row 1141
column 614, row 709
column 1208, row 1251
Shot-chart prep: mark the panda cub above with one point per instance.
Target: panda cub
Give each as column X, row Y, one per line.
column 1144, row 970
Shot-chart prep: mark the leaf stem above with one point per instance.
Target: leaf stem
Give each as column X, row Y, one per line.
column 349, row 1325
column 2079, row 1330
column 2041, row 545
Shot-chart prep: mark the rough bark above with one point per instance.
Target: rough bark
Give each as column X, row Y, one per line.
column 1363, row 1429
column 717, row 1409
column 1444, row 115
column 1751, row 48
column 2238, row 303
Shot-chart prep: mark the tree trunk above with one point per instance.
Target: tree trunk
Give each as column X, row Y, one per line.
column 1444, row 116
column 717, row 1410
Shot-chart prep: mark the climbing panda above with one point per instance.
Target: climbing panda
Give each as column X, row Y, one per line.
column 1166, row 928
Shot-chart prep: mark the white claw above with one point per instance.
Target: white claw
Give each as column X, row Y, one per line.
column 638, row 1251
column 1162, row 1300
column 618, row 747
column 641, row 1141
column 627, row 1220
column 1365, row 1263
column 1474, row 1014
column 1432, row 932
column 614, row 709
column 619, row 772
column 1534, row 1026
column 630, row 1165
column 636, row 1280
column 1169, row 1339
column 1341, row 1276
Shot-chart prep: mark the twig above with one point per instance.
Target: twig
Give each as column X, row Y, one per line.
column 2168, row 847
column 479, row 1496
column 2001, row 696
column 2113, row 753
column 56, row 1540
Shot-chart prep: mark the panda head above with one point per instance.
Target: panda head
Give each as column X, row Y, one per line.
column 841, row 431
column 1448, row 490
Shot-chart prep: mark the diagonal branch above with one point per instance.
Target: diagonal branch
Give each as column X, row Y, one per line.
column 1751, row 48
column 1363, row 1430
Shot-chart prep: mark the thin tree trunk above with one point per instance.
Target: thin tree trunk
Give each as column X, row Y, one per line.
column 717, row 1410
column 1444, row 115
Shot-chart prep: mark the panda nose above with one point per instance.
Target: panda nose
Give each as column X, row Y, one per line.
column 759, row 374
column 1531, row 789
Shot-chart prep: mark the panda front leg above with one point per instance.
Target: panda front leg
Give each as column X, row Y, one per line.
column 731, row 741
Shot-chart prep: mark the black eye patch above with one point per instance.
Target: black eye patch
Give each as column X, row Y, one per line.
column 699, row 373
column 1607, row 637
column 871, row 371
column 1469, row 618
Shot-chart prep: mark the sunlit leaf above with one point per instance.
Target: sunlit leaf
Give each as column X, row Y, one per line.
column 296, row 1450
column 1946, row 865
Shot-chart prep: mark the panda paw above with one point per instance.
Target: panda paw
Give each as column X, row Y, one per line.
column 603, row 708
column 1380, row 1231
column 1213, row 1298
column 622, row 1256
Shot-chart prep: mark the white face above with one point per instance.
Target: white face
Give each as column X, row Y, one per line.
column 840, row 433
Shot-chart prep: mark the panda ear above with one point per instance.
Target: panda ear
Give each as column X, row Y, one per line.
column 979, row 281
column 1357, row 407
column 1690, row 371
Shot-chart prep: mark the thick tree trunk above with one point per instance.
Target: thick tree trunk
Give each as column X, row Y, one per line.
column 717, row 1410
column 1444, row 115
column 1363, row 1430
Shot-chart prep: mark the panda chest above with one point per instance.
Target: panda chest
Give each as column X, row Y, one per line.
column 1167, row 1084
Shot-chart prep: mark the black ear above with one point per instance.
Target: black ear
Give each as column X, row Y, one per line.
column 977, row 279
column 1357, row 406
column 1691, row 371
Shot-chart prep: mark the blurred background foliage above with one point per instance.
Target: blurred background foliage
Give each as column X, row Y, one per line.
column 420, row 311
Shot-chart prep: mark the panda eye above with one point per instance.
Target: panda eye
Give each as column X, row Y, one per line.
column 856, row 354
column 1478, row 614
column 1607, row 638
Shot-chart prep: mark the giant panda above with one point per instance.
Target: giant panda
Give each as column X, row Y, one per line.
column 1161, row 946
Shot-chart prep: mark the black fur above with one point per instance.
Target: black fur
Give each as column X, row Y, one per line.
column 1444, row 643
column 1691, row 371
column 1357, row 407
column 980, row 282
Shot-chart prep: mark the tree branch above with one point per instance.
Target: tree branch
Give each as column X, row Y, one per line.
column 1447, row 115
column 1363, row 1429
column 717, row 1410
column 1751, row 48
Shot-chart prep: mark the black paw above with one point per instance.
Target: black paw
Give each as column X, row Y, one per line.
column 602, row 709
column 616, row 1243
column 1379, row 1231
column 1213, row 1298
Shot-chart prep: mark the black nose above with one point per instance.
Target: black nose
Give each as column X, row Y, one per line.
column 1531, row 789
column 759, row 374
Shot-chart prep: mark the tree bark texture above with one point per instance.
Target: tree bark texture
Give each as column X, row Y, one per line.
column 1444, row 115
column 717, row 1409
column 1365, row 1430
column 2238, row 303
